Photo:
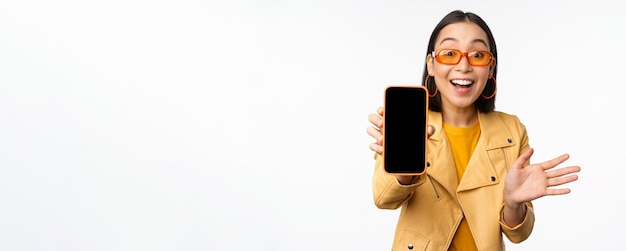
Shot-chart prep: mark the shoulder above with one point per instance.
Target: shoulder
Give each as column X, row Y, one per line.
column 507, row 117
column 497, row 125
column 509, row 120
column 499, row 118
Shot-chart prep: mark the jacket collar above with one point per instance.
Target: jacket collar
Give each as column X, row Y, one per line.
column 480, row 170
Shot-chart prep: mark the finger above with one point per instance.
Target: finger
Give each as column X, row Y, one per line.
column 562, row 180
column 562, row 171
column 554, row 162
column 523, row 159
column 375, row 133
column 380, row 111
column 375, row 120
column 376, row 148
column 558, row 191
column 431, row 130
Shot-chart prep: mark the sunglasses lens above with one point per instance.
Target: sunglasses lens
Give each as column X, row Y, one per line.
column 479, row 58
column 448, row 56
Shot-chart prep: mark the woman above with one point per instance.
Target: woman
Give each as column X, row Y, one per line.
column 479, row 183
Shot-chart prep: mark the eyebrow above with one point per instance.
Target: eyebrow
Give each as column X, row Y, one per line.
column 478, row 40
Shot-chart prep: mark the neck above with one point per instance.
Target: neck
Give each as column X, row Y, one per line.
column 461, row 117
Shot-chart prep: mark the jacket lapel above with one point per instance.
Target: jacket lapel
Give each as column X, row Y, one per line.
column 480, row 170
column 440, row 156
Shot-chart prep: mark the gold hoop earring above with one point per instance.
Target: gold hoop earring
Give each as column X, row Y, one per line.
column 495, row 89
column 426, row 85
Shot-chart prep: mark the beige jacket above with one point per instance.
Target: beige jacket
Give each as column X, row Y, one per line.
column 433, row 207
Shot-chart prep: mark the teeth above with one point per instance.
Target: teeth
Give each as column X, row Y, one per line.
column 462, row 82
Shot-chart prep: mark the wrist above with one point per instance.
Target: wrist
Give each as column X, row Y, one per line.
column 513, row 205
column 407, row 180
column 513, row 215
column 510, row 203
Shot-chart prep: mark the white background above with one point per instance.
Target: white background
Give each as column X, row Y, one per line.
column 240, row 125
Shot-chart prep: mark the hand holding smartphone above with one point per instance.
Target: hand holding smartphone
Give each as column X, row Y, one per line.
column 405, row 130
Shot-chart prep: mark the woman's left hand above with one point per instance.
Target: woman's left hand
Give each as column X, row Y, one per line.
column 526, row 183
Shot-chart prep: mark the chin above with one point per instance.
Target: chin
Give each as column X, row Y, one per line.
column 464, row 104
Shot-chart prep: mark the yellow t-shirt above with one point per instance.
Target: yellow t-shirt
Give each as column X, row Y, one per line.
column 462, row 140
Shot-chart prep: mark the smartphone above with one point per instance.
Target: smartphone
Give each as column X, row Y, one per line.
column 405, row 130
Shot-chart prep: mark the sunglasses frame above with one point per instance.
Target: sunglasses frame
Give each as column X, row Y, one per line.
column 463, row 54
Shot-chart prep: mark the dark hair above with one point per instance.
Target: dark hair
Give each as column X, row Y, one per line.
column 457, row 16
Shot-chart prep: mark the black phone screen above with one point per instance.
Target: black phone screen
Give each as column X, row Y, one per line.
column 405, row 130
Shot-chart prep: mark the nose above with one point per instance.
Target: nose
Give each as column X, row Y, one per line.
column 463, row 65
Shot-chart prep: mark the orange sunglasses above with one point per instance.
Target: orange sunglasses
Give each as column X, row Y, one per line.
column 453, row 57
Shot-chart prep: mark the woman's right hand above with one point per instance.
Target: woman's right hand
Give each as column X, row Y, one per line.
column 375, row 130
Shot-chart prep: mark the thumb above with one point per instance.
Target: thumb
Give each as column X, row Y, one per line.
column 523, row 159
column 431, row 130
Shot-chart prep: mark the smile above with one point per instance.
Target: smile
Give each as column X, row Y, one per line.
column 462, row 82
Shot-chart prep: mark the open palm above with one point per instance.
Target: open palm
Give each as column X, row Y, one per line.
column 526, row 183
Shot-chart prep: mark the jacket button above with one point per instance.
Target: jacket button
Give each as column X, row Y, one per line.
column 427, row 164
column 493, row 178
column 510, row 140
column 410, row 246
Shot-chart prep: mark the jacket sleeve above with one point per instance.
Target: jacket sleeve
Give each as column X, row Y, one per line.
column 388, row 192
column 522, row 231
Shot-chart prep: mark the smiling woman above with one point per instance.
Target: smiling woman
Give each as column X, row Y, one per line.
column 479, row 183
column 239, row 124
